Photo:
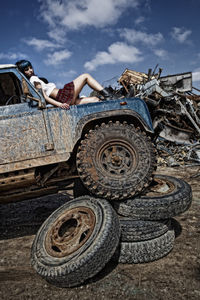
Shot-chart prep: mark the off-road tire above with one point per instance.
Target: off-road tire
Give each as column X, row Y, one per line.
column 138, row 230
column 90, row 231
column 145, row 251
column 115, row 161
column 163, row 204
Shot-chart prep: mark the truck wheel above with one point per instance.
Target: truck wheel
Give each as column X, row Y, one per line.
column 145, row 251
column 76, row 241
column 115, row 161
column 166, row 197
column 139, row 230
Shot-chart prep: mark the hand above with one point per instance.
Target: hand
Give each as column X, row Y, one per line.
column 64, row 106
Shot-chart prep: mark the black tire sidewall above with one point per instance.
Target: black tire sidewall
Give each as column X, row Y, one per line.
column 73, row 265
column 139, row 230
column 158, row 207
column 145, row 251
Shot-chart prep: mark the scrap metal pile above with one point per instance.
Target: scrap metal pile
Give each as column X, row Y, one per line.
column 175, row 111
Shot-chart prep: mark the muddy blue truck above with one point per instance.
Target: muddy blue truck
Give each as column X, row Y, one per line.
column 107, row 145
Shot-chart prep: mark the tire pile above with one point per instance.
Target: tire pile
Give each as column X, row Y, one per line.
column 80, row 237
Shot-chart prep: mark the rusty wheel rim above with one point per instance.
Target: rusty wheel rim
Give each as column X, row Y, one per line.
column 160, row 187
column 117, row 158
column 70, row 231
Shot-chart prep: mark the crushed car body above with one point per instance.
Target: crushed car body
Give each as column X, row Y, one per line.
column 173, row 104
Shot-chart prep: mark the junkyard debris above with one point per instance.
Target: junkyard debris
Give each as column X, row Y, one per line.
column 175, row 111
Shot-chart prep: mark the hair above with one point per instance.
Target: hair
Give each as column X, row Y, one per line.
column 23, row 64
column 43, row 79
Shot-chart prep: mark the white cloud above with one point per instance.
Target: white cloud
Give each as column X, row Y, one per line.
column 67, row 74
column 75, row 14
column 12, row 56
column 139, row 20
column 161, row 53
column 196, row 75
column 133, row 36
column 180, row 34
column 58, row 35
column 117, row 52
column 57, row 57
column 39, row 44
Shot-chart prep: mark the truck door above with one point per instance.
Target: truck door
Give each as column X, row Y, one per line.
column 24, row 134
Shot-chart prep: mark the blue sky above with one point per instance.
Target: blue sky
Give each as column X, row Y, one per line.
column 65, row 38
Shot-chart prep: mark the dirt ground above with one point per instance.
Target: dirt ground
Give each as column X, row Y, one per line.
column 176, row 276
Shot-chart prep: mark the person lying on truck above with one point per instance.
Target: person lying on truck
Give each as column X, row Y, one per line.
column 69, row 94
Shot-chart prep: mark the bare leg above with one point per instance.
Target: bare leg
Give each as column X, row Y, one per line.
column 81, row 81
column 86, row 100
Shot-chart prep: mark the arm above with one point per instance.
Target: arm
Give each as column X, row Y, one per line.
column 49, row 99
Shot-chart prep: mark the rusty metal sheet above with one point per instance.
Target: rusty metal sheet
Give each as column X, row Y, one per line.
column 178, row 82
column 176, row 134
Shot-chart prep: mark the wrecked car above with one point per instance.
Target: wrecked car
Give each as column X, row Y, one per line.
column 108, row 145
column 174, row 105
column 171, row 100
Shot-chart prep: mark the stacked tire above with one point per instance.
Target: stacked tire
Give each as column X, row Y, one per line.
column 80, row 237
column 147, row 231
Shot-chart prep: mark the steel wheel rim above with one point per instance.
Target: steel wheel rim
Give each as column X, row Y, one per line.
column 160, row 187
column 70, row 231
column 116, row 158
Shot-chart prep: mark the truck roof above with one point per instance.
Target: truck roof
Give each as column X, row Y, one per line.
column 7, row 66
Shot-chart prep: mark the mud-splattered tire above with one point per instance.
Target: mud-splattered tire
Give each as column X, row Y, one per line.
column 138, row 230
column 115, row 161
column 145, row 251
column 76, row 241
column 166, row 197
